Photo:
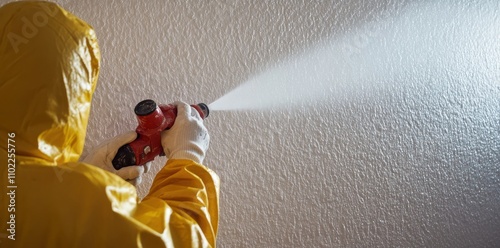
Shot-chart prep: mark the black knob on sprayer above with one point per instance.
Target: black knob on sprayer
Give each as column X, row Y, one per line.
column 145, row 107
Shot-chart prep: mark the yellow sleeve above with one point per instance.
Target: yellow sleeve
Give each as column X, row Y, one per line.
column 183, row 205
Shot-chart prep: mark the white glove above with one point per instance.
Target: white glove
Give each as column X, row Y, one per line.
column 188, row 138
column 102, row 156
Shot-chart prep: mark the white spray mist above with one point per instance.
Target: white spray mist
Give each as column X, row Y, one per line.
column 417, row 40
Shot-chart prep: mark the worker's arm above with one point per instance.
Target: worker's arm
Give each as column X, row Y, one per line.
column 184, row 190
column 187, row 195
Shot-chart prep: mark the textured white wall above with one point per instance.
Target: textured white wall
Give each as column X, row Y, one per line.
column 406, row 155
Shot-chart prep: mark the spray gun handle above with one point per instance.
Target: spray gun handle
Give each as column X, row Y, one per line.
column 124, row 156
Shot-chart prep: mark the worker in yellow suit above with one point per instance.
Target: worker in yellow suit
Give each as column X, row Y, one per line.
column 49, row 64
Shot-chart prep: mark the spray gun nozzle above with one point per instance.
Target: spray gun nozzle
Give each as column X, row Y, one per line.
column 204, row 109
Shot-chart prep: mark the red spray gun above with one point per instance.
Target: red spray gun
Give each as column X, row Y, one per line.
column 153, row 119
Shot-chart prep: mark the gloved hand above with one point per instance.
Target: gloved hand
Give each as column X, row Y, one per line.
column 188, row 138
column 102, row 156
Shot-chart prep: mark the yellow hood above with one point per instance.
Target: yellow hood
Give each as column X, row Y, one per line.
column 49, row 64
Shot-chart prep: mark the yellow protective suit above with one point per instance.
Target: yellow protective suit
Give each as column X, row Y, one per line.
column 49, row 63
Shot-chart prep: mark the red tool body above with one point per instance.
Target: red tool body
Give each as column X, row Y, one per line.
column 152, row 119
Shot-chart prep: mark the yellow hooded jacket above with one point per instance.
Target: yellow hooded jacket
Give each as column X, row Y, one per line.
column 49, row 63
